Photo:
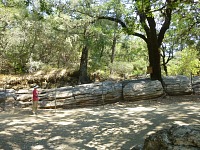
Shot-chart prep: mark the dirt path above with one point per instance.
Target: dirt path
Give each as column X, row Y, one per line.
column 112, row 127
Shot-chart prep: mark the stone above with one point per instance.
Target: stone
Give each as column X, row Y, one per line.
column 6, row 94
column 186, row 137
column 98, row 93
column 107, row 92
column 196, row 85
column 82, row 95
column 142, row 89
column 2, row 101
column 177, row 85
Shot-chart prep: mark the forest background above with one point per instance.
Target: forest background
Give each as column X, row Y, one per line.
column 106, row 38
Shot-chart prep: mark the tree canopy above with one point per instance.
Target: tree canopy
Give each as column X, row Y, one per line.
column 92, row 35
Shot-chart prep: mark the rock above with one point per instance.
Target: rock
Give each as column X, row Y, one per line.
column 83, row 95
column 98, row 93
column 2, row 100
column 24, row 91
column 24, row 97
column 175, row 138
column 6, row 94
column 106, row 92
column 196, row 85
column 177, row 85
column 142, row 89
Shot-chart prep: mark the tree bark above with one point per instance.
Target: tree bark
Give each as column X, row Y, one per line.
column 153, row 50
column 83, row 75
column 154, row 60
column 113, row 51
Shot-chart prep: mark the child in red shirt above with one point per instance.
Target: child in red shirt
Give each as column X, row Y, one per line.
column 35, row 100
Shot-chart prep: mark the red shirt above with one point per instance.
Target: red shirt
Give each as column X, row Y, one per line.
column 35, row 95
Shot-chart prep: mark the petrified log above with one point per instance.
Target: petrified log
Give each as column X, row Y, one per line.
column 142, row 89
column 177, row 85
column 82, row 95
column 5, row 95
column 196, row 85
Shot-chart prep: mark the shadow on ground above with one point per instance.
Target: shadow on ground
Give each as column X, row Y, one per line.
column 116, row 126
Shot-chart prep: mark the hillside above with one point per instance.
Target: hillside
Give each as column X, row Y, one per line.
column 54, row 78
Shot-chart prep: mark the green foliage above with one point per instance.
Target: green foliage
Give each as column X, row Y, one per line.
column 46, row 68
column 140, row 66
column 45, row 7
column 130, row 57
column 134, row 52
column 55, row 32
column 122, row 67
column 185, row 62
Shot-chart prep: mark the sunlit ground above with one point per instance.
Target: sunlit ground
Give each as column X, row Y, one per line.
column 112, row 127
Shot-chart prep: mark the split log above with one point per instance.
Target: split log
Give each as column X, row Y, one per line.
column 142, row 89
column 177, row 85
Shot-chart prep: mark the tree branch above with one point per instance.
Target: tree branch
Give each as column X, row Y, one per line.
column 165, row 26
column 113, row 19
column 140, row 35
column 143, row 22
column 123, row 26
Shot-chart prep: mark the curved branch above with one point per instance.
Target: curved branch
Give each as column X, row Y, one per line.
column 123, row 26
column 166, row 24
column 140, row 35
column 143, row 23
column 164, row 27
column 113, row 19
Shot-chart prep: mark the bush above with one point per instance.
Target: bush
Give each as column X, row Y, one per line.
column 34, row 66
column 121, row 68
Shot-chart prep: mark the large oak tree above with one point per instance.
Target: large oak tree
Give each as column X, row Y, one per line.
column 149, row 20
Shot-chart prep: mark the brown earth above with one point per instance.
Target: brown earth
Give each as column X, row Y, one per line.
column 50, row 79
column 118, row 126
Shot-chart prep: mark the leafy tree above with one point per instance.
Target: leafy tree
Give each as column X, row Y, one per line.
column 151, row 18
column 100, row 48
column 183, row 32
column 59, row 33
column 185, row 62
column 31, row 34
column 12, row 43
column 104, row 46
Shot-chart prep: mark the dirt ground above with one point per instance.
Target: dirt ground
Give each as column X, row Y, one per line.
column 118, row 126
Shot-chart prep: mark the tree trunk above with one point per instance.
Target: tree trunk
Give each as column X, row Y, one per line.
column 83, row 75
column 153, row 50
column 154, row 54
column 164, row 62
column 113, row 51
column 154, row 61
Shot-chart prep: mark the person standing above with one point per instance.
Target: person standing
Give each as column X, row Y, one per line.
column 35, row 99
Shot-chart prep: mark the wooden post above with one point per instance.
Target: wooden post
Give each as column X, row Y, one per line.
column 55, row 99
column 5, row 98
column 191, row 77
column 149, row 70
column 103, row 96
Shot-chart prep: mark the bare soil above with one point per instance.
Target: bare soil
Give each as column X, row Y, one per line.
column 119, row 126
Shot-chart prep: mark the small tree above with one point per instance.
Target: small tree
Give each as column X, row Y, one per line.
column 185, row 62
